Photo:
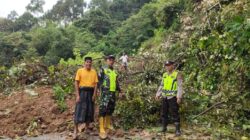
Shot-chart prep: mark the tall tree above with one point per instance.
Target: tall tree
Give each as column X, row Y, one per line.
column 100, row 4
column 96, row 21
column 25, row 22
column 5, row 25
column 53, row 43
column 123, row 9
column 118, row 9
column 35, row 6
column 66, row 10
column 12, row 47
column 12, row 16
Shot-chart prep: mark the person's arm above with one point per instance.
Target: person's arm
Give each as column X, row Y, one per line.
column 77, row 81
column 121, row 58
column 158, row 93
column 95, row 93
column 100, row 79
column 180, row 87
column 95, row 88
column 127, row 59
column 118, row 86
column 77, row 91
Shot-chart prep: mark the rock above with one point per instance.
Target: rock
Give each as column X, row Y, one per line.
column 119, row 133
column 187, row 21
column 144, row 133
column 55, row 110
column 44, row 126
column 37, row 133
column 244, row 138
column 31, row 86
column 5, row 112
column 53, row 116
column 46, row 131
column 70, row 134
column 30, row 92
column 55, row 130
column 21, row 133
column 95, row 133
column 61, row 129
column 189, row 28
column 183, row 35
column 45, row 80
column 133, row 132
column 5, row 138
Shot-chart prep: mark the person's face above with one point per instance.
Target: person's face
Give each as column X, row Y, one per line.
column 169, row 67
column 88, row 64
column 110, row 62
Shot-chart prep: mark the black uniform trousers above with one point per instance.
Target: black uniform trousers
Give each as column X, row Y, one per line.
column 170, row 106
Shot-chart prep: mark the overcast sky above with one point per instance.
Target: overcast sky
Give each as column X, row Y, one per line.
column 19, row 5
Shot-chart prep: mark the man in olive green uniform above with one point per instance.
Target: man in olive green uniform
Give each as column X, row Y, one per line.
column 108, row 84
column 171, row 93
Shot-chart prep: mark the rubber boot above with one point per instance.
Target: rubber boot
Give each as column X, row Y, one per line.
column 177, row 130
column 102, row 133
column 108, row 123
column 164, row 128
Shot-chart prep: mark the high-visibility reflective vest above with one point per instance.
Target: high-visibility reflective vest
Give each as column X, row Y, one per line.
column 170, row 84
column 110, row 77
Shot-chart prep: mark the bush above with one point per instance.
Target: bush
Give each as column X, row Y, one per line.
column 60, row 95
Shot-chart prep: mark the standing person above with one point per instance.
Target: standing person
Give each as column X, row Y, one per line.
column 124, row 59
column 171, row 91
column 85, row 86
column 108, row 85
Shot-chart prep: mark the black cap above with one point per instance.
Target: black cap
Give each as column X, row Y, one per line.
column 88, row 58
column 110, row 57
column 169, row 62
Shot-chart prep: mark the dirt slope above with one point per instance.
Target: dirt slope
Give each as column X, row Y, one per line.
column 23, row 114
column 37, row 116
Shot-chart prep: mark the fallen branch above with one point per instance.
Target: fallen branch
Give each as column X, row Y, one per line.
column 214, row 6
column 210, row 108
column 135, row 73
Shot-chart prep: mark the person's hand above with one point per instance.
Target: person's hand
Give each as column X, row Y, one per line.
column 77, row 99
column 121, row 94
column 94, row 97
column 157, row 97
column 98, row 92
column 178, row 100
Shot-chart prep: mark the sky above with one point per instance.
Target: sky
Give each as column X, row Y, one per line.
column 19, row 6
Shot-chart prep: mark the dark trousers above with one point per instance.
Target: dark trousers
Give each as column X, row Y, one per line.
column 170, row 106
column 84, row 110
column 107, row 103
